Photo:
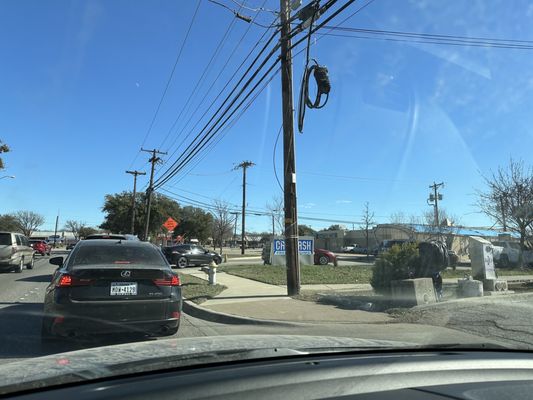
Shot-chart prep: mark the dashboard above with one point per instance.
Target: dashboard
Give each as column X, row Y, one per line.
column 372, row 375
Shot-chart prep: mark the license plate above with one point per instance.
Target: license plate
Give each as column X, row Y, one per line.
column 123, row 289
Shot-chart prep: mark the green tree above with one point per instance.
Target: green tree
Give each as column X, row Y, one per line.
column 396, row 264
column 305, row 230
column 118, row 212
column 4, row 148
column 8, row 223
column 335, row 227
column 194, row 223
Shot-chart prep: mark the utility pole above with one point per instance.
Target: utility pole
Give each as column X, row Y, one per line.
column 154, row 159
column 135, row 174
column 55, row 230
column 289, row 169
column 434, row 200
column 244, row 165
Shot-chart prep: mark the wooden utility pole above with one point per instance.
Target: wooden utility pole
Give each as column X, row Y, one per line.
column 135, row 174
column 289, row 170
column 154, row 159
column 244, row 165
column 435, row 197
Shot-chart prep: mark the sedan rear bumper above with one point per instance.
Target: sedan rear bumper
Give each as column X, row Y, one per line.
column 75, row 326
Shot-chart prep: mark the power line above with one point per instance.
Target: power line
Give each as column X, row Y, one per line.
column 213, row 83
column 438, row 42
column 241, row 16
column 178, row 56
column 200, row 80
column 274, row 157
column 227, row 128
column 463, row 39
column 177, row 165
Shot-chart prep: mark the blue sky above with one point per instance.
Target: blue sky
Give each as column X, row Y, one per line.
column 80, row 82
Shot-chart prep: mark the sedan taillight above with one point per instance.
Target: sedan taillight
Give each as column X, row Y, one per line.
column 67, row 280
column 173, row 281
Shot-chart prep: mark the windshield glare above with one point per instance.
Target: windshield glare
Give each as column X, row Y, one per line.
column 367, row 175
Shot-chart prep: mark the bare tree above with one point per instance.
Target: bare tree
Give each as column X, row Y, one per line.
column 508, row 199
column 28, row 221
column 74, row 227
column 368, row 221
column 398, row 217
column 222, row 223
column 275, row 209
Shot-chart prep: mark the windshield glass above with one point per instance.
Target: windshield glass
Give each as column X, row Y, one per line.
column 358, row 169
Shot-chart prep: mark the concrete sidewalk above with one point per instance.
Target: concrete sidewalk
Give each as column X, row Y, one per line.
column 252, row 299
column 256, row 300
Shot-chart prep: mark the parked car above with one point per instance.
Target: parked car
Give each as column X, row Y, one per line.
column 55, row 240
column 349, row 249
column 105, row 286
column 359, row 250
column 15, row 252
column 324, row 257
column 71, row 244
column 41, row 247
column 386, row 245
column 116, row 236
column 185, row 255
column 507, row 254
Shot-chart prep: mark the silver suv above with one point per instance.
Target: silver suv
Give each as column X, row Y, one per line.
column 15, row 252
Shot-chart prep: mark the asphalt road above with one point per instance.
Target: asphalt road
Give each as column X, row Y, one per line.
column 21, row 302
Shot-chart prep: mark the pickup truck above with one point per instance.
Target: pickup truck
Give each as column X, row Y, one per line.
column 507, row 253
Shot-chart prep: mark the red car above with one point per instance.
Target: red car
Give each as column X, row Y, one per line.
column 41, row 247
column 324, row 257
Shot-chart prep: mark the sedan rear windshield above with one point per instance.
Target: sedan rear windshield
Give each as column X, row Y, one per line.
column 5, row 239
column 116, row 255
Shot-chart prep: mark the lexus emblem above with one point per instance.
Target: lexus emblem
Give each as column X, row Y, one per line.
column 125, row 274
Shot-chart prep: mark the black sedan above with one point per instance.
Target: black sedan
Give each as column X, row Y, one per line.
column 109, row 286
column 185, row 255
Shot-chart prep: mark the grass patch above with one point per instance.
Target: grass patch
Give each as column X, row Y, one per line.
column 309, row 274
column 198, row 290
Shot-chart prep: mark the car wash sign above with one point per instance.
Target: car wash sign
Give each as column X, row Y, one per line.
column 306, row 247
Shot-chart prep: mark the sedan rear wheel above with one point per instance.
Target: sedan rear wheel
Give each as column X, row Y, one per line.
column 31, row 263
column 323, row 260
column 182, row 262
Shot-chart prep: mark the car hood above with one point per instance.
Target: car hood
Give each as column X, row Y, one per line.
column 127, row 358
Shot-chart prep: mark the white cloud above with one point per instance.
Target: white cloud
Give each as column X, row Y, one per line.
column 137, row 84
column 308, row 205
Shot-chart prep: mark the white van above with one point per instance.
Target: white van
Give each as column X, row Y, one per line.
column 15, row 252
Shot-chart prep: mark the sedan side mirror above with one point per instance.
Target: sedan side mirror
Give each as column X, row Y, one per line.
column 56, row 261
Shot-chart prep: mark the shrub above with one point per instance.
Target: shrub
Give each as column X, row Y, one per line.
column 398, row 263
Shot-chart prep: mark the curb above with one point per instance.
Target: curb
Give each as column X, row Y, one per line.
column 243, row 258
column 197, row 311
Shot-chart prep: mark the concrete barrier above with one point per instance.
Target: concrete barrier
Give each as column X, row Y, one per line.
column 413, row 292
